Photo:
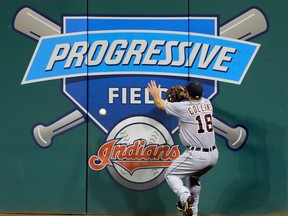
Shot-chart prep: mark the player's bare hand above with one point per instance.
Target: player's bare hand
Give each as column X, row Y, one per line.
column 153, row 88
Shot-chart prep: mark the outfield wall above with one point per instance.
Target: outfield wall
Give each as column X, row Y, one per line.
column 67, row 166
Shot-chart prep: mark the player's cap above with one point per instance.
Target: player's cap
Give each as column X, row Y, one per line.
column 195, row 89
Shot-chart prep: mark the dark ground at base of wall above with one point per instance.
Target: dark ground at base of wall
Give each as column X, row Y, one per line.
column 271, row 214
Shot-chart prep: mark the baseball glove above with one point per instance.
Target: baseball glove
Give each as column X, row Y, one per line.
column 176, row 93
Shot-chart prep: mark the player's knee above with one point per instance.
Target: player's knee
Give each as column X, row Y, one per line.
column 167, row 174
column 169, row 178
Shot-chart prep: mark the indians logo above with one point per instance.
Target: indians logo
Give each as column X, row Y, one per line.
column 136, row 163
column 106, row 62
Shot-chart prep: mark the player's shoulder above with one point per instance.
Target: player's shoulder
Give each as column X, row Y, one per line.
column 206, row 100
column 177, row 104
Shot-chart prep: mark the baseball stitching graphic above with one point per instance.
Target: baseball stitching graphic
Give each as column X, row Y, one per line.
column 141, row 128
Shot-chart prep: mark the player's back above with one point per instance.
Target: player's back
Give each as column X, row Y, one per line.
column 195, row 122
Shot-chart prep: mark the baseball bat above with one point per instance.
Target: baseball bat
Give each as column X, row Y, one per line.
column 245, row 26
column 235, row 136
column 34, row 25
column 45, row 134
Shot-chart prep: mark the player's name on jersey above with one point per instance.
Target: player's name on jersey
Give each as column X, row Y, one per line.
column 200, row 108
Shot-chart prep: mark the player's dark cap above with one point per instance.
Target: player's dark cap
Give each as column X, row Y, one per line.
column 195, row 89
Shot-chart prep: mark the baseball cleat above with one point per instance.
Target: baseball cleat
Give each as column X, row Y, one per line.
column 179, row 206
column 187, row 210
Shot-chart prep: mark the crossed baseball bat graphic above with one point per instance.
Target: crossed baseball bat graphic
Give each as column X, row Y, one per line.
column 245, row 26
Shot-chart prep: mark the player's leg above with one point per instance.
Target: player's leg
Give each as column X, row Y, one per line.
column 177, row 186
column 195, row 188
column 187, row 164
column 174, row 175
column 194, row 183
column 190, row 163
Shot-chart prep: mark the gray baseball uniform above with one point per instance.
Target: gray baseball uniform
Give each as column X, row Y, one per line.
column 197, row 134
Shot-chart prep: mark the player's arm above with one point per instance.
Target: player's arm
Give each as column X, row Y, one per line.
column 154, row 91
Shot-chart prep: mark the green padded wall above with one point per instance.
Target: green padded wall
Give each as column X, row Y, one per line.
column 58, row 179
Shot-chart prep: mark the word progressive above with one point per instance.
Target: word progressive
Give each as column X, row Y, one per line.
column 142, row 52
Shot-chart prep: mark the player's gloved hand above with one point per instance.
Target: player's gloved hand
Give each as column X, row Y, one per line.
column 176, row 93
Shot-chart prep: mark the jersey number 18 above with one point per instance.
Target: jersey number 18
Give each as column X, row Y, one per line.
column 208, row 123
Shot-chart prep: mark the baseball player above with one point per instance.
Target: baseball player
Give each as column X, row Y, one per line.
column 197, row 134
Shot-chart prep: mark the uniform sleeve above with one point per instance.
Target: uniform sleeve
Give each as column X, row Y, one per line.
column 172, row 108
